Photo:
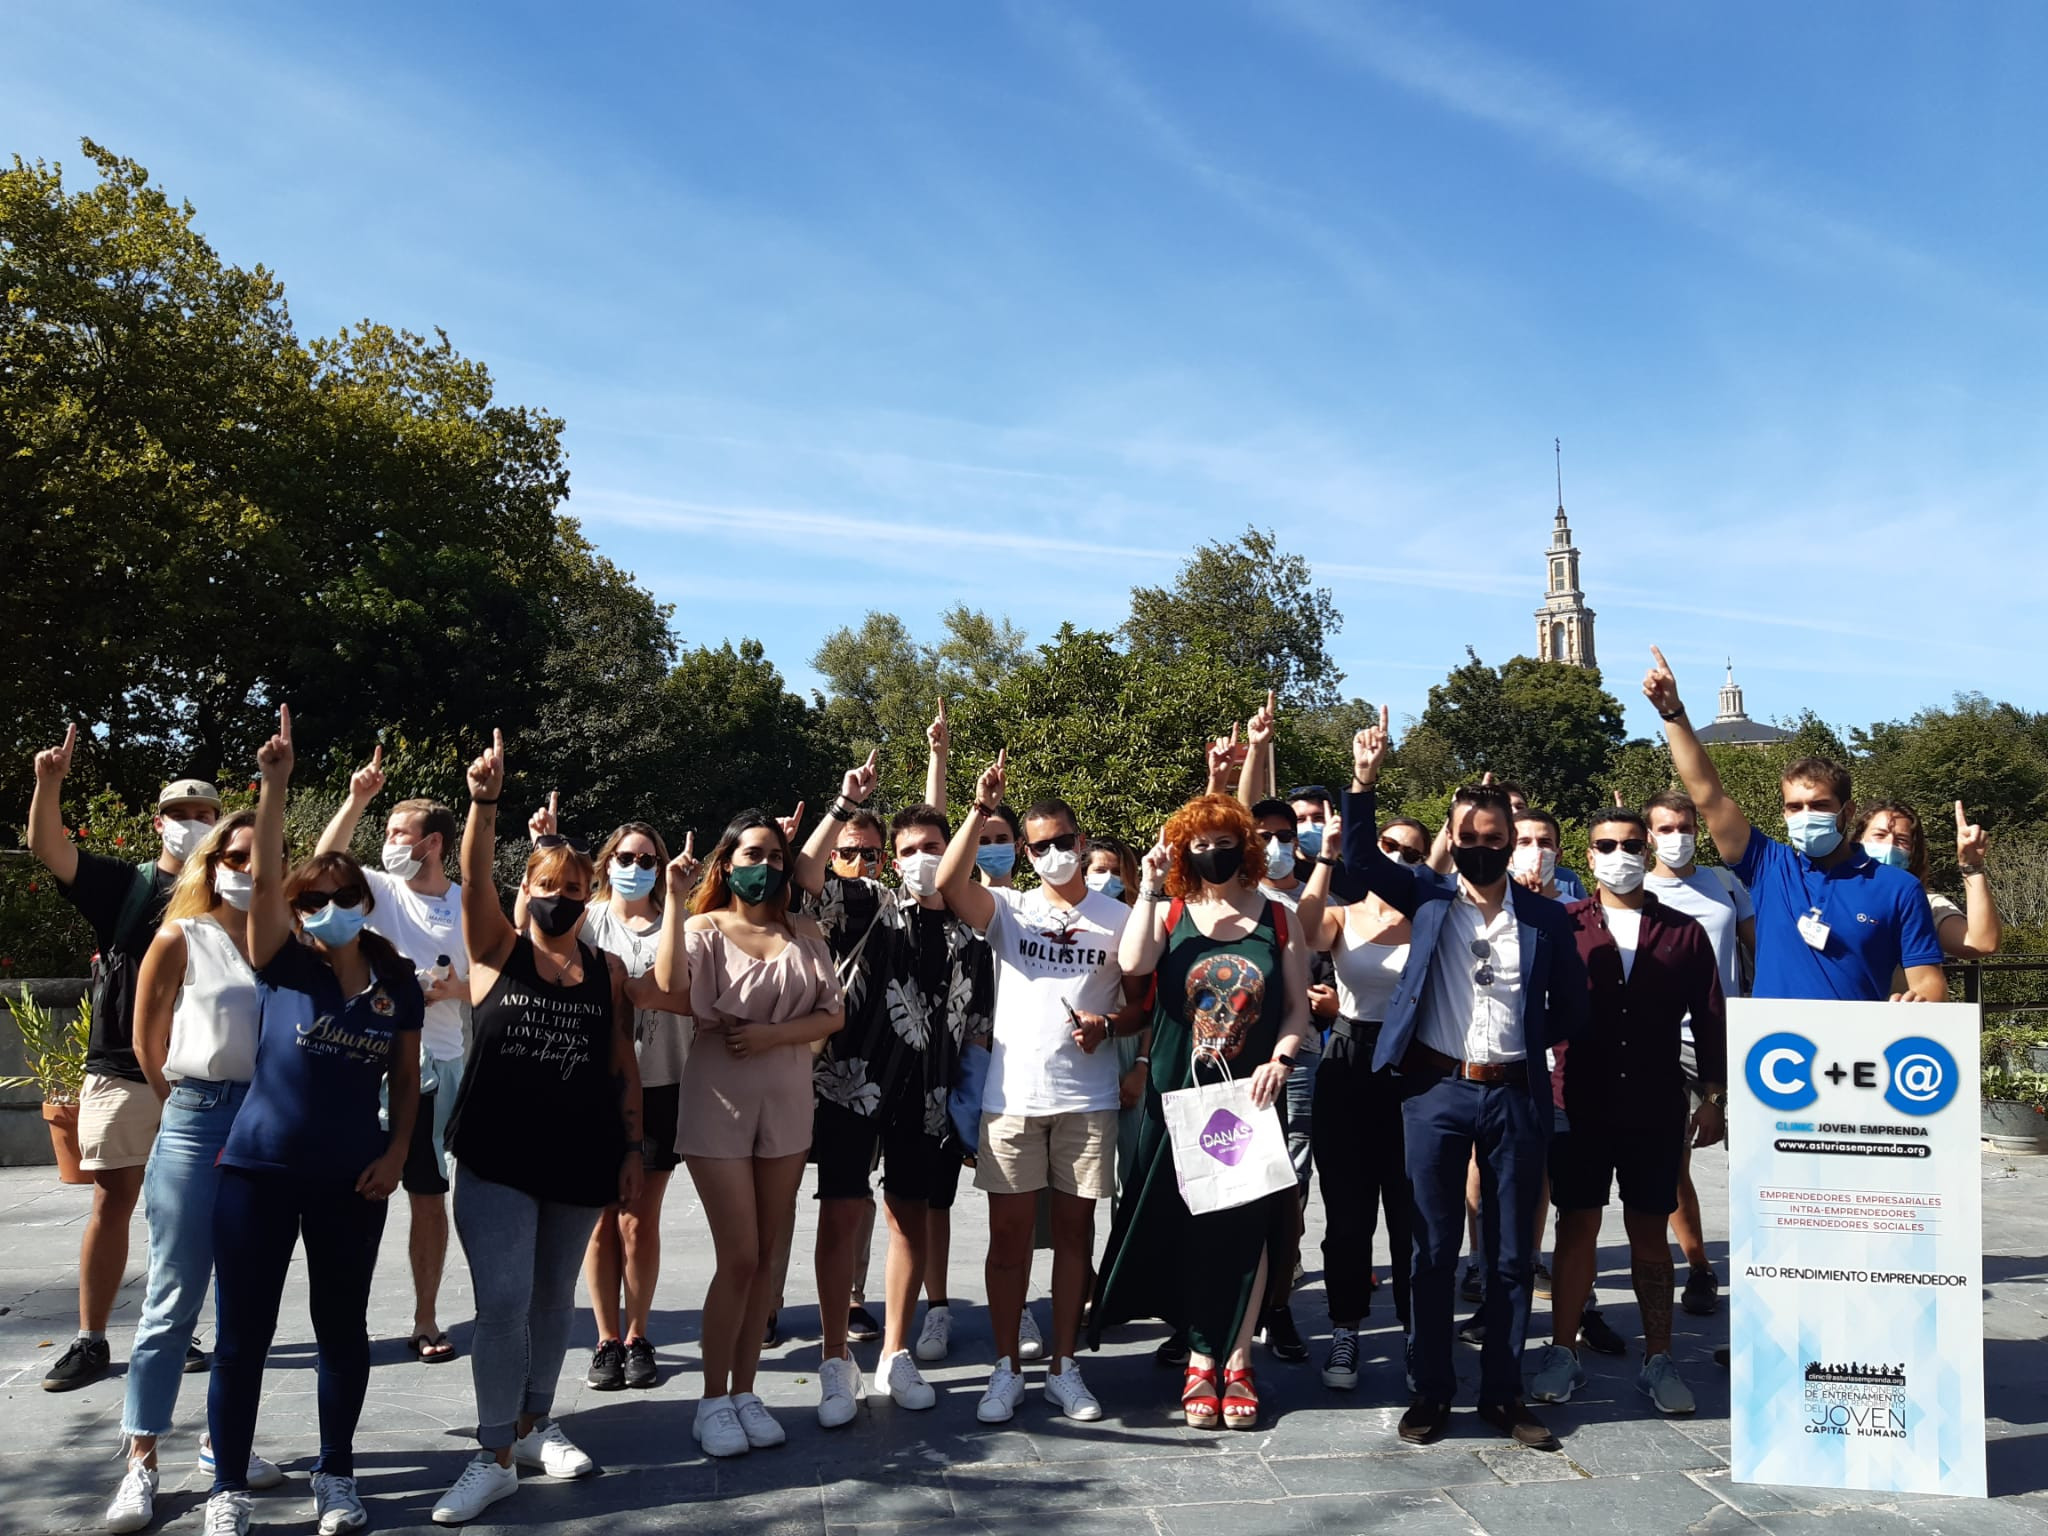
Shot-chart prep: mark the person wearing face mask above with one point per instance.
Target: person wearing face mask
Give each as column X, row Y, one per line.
column 1049, row 1109
column 196, row 1009
column 628, row 910
column 1891, row 833
column 117, row 1112
column 307, row 1158
column 1831, row 921
column 1720, row 904
column 1493, row 980
column 919, row 984
column 763, row 992
column 1621, row 1082
column 419, row 910
column 547, row 1132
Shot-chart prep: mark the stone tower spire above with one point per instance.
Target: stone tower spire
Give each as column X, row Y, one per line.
column 1564, row 624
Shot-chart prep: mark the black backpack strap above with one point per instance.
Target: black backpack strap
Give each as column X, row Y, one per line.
column 141, row 892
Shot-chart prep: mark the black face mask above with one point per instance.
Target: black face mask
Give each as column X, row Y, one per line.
column 555, row 915
column 1216, row 865
column 1479, row 864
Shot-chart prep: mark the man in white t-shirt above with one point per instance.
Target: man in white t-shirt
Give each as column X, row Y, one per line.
column 1719, row 903
column 1050, row 1105
column 419, row 909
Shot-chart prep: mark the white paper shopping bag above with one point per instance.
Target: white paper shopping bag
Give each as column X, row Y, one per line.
column 1227, row 1151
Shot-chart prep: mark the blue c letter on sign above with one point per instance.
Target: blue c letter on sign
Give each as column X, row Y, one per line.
column 1780, row 1071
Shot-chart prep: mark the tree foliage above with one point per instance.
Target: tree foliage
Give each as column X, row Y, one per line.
column 1554, row 730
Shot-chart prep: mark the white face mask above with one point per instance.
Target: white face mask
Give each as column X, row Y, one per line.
column 920, row 873
column 182, row 838
column 1533, row 859
column 1618, row 871
column 234, row 886
column 399, row 861
column 1675, row 849
column 1057, row 865
column 1279, row 860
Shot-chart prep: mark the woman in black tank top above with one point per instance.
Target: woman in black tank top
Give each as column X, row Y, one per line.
column 545, row 1134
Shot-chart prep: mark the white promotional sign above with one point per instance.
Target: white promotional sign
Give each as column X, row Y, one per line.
column 1856, row 1246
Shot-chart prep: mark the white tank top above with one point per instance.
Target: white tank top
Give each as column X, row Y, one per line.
column 213, row 1025
column 1366, row 975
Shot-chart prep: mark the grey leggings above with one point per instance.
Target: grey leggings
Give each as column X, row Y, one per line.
column 524, row 1256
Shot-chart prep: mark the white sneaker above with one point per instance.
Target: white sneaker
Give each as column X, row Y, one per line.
column 1030, row 1342
column 1005, row 1392
column 1660, row 1383
column 227, row 1514
column 935, row 1339
column 482, row 1484
column 547, row 1449
column 1071, row 1393
column 134, row 1502
column 335, row 1505
column 762, row 1429
column 261, row 1473
column 840, row 1390
column 1558, row 1374
column 718, row 1428
column 899, row 1380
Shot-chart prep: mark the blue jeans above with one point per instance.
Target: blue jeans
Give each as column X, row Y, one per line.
column 524, row 1256
column 1298, row 1114
column 178, row 1188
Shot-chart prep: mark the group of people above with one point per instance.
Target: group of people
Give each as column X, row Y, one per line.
column 1454, row 1034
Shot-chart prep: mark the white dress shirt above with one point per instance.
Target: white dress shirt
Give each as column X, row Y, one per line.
column 1465, row 1019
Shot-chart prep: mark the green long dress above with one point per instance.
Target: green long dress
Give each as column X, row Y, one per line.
column 1196, row 1272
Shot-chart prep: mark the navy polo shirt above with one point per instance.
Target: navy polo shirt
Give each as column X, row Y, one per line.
column 1877, row 921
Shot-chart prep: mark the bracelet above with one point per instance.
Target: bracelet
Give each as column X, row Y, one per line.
column 1970, row 869
column 1149, row 893
column 1676, row 714
column 1141, row 1061
column 838, row 812
column 1323, row 858
column 1286, row 1062
column 480, row 800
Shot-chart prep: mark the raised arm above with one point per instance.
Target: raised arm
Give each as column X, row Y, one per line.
column 973, row 904
column 671, row 955
column 814, row 858
column 364, row 785
column 1977, row 932
column 1224, row 756
column 47, row 839
column 1321, row 927
column 1389, row 879
column 1144, row 936
column 1721, row 816
column 270, row 918
column 940, row 742
column 485, row 931
column 1258, row 757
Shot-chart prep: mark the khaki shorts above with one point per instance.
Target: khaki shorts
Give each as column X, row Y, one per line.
column 116, row 1122
column 1021, row 1154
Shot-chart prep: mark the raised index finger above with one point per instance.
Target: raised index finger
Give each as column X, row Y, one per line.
column 1661, row 662
column 497, row 741
column 377, row 755
column 554, row 801
column 70, row 737
column 1383, row 718
column 1962, row 821
column 284, row 721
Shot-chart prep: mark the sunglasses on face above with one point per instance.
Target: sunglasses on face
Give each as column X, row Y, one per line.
column 628, row 860
column 235, row 858
column 1625, row 844
column 864, row 855
column 1398, row 850
column 313, row 901
column 1064, row 842
column 1285, row 837
column 561, row 840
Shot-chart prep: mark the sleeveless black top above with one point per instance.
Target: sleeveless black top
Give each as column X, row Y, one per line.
column 539, row 1107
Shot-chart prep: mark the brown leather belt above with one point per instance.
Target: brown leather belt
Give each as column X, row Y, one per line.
column 1420, row 1058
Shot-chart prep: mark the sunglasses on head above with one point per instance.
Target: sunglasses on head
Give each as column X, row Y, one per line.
column 234, row 858
column 1625, row 844
column 1394, row 849
column 628, row 860
column 562, row 840
column 313, row 901
column 1286, row 836
column 865, row 855
column 1064, row 842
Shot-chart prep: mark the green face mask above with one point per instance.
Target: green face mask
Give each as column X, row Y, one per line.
column 754, row 883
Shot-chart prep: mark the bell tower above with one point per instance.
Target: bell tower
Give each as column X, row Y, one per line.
column 1564, row 624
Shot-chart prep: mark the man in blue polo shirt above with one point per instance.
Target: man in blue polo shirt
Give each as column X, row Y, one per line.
column 1831, row 922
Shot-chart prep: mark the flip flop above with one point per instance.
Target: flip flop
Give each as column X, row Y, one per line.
column 431, row 1348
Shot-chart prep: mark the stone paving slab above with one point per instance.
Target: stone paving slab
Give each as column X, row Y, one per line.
column 1322, row 1464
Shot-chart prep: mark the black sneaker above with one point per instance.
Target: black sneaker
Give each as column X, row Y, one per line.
column 1541, row 1282
column 1172, row 1352
column 607, row 1366
column 1473, row 1330
column 1702, row 1294
column 1598, row 1335
column 861, row 1325
column 1282, row 1337
column 83, row 1361
column 1472, row 1288
column 195, row 1359
column 640, row 1367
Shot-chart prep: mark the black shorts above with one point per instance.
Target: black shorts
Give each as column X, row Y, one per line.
column 844, row 1146
column 1586, row 1159
column 422, row 1173
column 660, row 1110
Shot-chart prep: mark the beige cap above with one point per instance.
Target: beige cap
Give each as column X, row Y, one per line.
column 188, row 789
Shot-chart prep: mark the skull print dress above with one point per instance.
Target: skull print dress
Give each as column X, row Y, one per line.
column 1221, row 999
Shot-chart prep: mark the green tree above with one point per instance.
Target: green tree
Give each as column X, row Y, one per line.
column 1549, row 728
column 1990, row 756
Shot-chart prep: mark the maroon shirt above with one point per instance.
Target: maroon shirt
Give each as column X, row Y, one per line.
column 1623, row 1071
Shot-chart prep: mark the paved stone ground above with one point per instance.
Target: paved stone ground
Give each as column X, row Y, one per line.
column 1324, row 1462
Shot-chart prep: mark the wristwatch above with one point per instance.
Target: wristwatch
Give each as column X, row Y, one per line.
column 1676, row 714
column 1324, row 858
column 1718, row 1098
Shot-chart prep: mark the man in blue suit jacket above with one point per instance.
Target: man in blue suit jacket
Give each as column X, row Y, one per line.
column 1493, row 980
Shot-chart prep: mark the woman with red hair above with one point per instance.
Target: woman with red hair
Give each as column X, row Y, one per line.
column 1231, row 998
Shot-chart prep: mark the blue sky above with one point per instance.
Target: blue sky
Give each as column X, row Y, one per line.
column 908, row 304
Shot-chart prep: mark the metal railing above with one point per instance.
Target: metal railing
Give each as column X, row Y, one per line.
column 1971, row 974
